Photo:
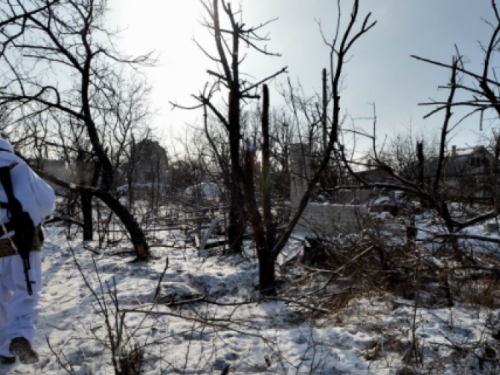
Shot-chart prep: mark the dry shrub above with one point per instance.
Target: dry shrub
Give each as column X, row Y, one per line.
column 131, row 361
column 375, row 261
column 370, row 262
column 483, row 291
column 341, row 299
column 406, row 371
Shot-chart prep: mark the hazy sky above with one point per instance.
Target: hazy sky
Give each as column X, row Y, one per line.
column 380, row 71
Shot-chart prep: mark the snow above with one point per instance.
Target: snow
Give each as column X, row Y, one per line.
column 372, row 334
column 383, row 200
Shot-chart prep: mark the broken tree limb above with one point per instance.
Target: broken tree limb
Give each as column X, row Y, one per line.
column 208, row 234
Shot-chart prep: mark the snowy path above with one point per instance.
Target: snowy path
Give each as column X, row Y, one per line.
column 367, row 337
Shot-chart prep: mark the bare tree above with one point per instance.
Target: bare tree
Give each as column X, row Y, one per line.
column 397, row 179
column 228, row 58
column 483, row 90
column 69, row 38
column 14, row 15
column 268, row 242
column 282, row 133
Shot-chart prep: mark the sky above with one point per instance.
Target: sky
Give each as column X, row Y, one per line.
column 380, row 69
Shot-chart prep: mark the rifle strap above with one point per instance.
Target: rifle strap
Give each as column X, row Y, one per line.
column 22, row 240
column 19, row 220
column 6, row 181
column 7, row 227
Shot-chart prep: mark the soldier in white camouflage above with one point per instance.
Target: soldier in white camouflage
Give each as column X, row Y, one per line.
column 20, row 306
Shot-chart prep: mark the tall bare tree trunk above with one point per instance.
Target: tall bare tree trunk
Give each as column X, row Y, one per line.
column 236, row 210
column 85, row 197
column 86, row 202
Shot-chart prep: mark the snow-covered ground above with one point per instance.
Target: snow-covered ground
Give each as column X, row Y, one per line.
column 226, row 324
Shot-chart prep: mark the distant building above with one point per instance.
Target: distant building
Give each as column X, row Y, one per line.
column 466, row 172
column 148, row 163
column 373, row 175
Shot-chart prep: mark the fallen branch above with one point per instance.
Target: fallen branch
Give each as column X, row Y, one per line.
column 65, row 218
column 464, row 236
column 192, row 319
column 246, row 302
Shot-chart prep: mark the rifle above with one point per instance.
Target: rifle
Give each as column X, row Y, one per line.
column 21, row 222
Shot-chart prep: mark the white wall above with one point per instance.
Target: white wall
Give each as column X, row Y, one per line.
column 324, row 219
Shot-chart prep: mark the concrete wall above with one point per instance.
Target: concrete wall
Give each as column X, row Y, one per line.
column 324, row 219
column 347, row 196
column 332, row 219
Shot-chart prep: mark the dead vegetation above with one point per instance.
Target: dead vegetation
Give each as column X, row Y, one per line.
column 414, row 276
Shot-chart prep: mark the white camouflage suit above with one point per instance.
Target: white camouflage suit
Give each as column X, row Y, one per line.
column 18, row 309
